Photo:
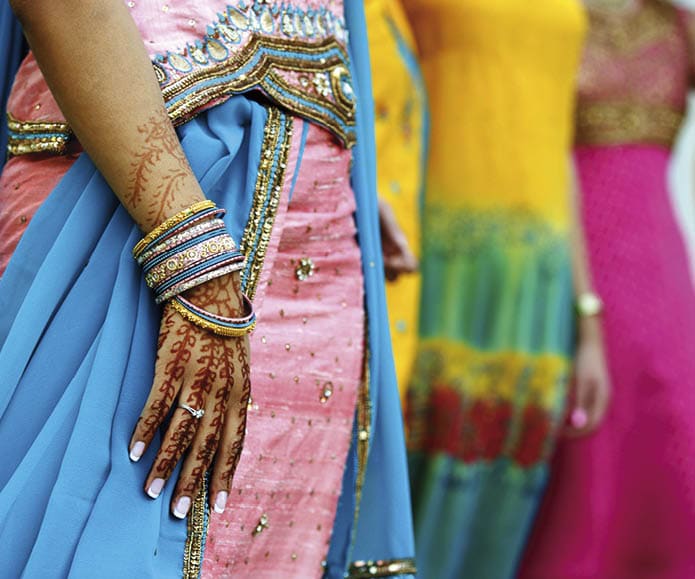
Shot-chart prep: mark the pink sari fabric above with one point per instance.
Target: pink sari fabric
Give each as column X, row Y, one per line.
column 621, row 503
column 308, row 355
column 24, row 185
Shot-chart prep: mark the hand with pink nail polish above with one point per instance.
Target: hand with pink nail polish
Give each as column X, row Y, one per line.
column 590, row 392
column 201, row 371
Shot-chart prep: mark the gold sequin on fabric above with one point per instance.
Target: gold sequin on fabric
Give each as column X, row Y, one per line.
column 305, row 269
column 197, row 530
column 37, row 137
column 271, row 175
column 388, row 568
column 262, row 525
column 623, row 123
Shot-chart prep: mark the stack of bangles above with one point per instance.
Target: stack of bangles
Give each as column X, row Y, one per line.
column 187, row 250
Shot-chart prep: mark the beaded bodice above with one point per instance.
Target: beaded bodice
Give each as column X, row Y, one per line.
column 635, row 73
column 295, row 51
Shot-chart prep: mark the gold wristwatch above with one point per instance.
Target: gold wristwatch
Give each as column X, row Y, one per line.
column 588, row 305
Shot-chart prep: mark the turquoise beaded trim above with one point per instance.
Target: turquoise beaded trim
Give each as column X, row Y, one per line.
column 297, row 58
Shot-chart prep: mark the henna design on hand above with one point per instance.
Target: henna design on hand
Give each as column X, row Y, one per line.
column 147, row 179
column 243, row 389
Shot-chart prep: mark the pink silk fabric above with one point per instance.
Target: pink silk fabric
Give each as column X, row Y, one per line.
column 307, row 364
column 621, row 502
column 25, row 183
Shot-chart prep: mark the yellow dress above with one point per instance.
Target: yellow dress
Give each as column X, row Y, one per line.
column 489, row 386
column 400, row 103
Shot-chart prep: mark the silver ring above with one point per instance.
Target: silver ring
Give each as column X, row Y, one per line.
column 194, row 411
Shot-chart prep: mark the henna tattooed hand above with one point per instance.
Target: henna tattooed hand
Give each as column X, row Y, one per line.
column 204, row 371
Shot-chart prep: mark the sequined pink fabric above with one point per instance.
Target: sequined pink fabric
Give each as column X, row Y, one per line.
column 644, row 59
column 24, row 185
column 307, row 366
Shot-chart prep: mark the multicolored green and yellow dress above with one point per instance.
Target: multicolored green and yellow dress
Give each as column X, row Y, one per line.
column 401, row 135
column 490, row 382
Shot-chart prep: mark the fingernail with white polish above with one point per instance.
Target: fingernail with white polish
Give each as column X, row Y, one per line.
column 221, row 502
column 155, row 488
column 136, row 453
column 181, row 508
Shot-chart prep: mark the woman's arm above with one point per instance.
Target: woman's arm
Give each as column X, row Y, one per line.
column 591, row 393
column 95, row 63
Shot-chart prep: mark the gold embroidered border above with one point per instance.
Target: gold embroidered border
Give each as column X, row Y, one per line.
column 197, row 530
column 390, row 568
column 624, row 123
column 23, row 137
column 266, row 74
column 364, row 428
column 271, row 176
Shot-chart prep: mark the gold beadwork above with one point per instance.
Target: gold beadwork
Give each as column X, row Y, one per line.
column 262, row 525
column 37, row 137
column 266, row 197
column 387, row 568
column 193, row 549
column 305, row 269
column 326, row 392
column 620, row 123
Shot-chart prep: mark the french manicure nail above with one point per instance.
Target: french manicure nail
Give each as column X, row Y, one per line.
column 136, row 452
column 221, row 502
column 579, row 418
column 155, row 488
column 181, row 508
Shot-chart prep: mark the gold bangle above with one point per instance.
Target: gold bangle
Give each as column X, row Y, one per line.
column 173, row 221
column 217, row 329
column 588, row 305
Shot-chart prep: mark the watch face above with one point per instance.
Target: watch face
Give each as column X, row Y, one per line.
column 589, row 304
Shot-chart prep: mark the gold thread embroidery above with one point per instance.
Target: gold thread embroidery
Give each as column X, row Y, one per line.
column 620, row 123
column 197, row 530
column 271, row 176
column 198, row 88
column 364, row 428
column 653, row 21
column 272, row 74
column 388, row 568
column 37, row 137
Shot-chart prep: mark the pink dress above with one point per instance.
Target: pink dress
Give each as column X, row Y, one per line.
column 621, row 503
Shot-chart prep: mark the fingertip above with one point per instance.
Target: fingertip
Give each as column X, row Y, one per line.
column 220, row 502
column 137, row 451
column 155, row 488
column 579, row 418
column 181, row 508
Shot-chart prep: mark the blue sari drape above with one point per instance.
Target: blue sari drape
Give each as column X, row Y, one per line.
column 12, row 50
column 78, row 334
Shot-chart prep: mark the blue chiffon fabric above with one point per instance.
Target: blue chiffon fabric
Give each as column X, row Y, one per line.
column 78, row 332
column 13, row 51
